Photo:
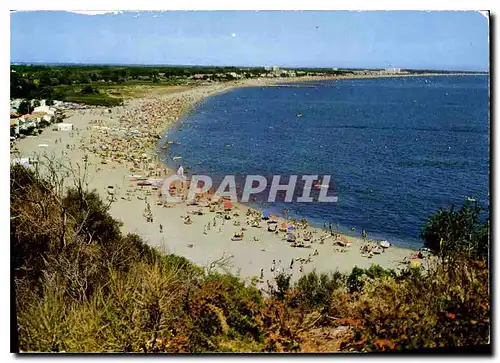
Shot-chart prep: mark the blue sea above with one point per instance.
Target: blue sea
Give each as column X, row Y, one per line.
column 398, row 149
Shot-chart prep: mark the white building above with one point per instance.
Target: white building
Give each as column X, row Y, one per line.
column 393, row 70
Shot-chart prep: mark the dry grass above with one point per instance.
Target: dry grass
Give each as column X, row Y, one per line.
column 139, row 91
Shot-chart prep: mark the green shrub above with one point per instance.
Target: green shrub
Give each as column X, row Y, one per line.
column 314, row 290
column 358, row 276
column 282, row 285
column 450, row 233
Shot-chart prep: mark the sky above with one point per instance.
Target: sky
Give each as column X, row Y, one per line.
column 382, row 39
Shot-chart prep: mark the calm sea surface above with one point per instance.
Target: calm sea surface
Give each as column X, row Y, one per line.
column 397, row 148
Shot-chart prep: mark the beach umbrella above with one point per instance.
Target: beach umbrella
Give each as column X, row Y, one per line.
column 291, row 227
column 265, row 214
column 290, row 237
column 228, row 205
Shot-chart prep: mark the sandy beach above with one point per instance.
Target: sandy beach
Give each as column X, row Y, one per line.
column 121, row 143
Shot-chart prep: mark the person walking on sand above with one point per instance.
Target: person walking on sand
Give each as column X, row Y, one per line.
column 291, row 264
column 161, row 228
column 262, row 274
column 180, row 174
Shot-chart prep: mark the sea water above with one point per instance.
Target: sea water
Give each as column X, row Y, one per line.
column 397, row 148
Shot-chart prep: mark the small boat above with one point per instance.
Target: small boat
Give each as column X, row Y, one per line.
column 177, row 157
column 299, row 115
column 165, row 147
column 469, row 199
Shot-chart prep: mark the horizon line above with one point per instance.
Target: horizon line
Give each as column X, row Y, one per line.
column 47, row 63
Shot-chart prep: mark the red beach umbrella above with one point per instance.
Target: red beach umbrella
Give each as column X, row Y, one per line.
column 228, row 205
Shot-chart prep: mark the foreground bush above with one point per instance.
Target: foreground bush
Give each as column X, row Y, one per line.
column 81, row 286
column 441, row 309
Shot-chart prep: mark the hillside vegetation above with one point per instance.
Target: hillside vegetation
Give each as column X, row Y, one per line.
column 82, row 286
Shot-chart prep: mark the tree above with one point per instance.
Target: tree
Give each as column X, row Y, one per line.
column 450, row 233
column 24, row 107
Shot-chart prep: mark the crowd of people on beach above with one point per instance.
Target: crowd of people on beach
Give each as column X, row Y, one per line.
column 130, row 136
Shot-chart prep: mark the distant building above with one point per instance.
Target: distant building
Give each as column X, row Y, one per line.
column 393, row 70
column 235, row 75
column 276, row 69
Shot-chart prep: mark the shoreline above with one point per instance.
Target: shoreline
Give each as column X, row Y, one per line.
column 115, row 153
column 276, row 82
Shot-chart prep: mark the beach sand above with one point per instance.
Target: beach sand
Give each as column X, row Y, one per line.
column 137, row 155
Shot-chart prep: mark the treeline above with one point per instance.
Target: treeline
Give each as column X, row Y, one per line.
column 37, row 82
column 80, row 285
